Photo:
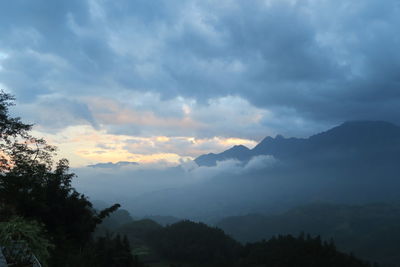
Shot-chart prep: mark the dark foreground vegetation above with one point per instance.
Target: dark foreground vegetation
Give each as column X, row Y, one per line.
column 371, row 231
column 42, row 216
column 188, row 243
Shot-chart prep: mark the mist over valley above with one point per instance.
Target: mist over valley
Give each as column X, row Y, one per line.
column 353, row 163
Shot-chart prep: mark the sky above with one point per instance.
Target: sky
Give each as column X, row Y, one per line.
column 165, row 81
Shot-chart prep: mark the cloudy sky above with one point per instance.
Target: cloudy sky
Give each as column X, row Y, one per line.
column 162, row 81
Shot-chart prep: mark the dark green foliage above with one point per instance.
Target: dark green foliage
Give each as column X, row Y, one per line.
column 21, row 240
column 47, row 196
column 192, row 242
column 33, row 188
column 188, row 243
column 288, row 251
column 108, row 250
column 19, row 149
column 112, row 251
column 139, row 232
column 354, row 228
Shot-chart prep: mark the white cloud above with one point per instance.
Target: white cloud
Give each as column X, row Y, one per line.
column 122, row 183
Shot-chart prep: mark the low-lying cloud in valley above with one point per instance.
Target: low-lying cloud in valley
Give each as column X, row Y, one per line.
column 121, row 183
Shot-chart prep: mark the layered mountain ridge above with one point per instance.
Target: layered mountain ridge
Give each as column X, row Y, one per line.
column 353, row 163
column 110, row 165
column 364, row 137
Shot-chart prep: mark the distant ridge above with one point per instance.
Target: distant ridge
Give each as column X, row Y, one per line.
column 353, row 163
column 239, row 152
column 113, row 165
column 360, row 136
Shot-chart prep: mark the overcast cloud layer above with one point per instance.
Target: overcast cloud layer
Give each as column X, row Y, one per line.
column 199, row 69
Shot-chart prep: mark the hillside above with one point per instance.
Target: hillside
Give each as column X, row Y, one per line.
column 192, row 244
column 355, row 229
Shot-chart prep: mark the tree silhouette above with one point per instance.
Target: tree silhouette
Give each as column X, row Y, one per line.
column 33, row 186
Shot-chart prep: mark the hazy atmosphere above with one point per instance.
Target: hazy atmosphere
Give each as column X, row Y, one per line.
column 260, row 118
column 162, row 81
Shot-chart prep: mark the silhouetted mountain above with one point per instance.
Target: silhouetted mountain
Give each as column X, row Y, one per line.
column 354, row 163
column 239, row 152
column 114, row 165
column 359, row 134
column 349, row 139
column 138, row 232
column 163, row 220
column 280, row 147
column 117, row 218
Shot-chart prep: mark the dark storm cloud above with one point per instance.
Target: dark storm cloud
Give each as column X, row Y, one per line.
column 55, row 113
column 309, row 63
column 44, row 51
column 289, row 60
column 41, row 25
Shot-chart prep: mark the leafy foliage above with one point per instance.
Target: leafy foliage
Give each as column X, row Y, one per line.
column 22, row 239
column 32, row 186
column 113, row 251
column 19, row 149
column 188, row 243
column 196, row 243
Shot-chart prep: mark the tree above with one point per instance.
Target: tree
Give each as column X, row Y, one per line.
column 23, row 241
column 286, row 250
column 18, row 148
column 197, row 243
column 113, row 251
column 33, row 186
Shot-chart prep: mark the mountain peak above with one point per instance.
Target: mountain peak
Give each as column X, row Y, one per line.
column 239, row 152
column 359, row 132
column 238, row 148
column 114, row 165
column 361, row 136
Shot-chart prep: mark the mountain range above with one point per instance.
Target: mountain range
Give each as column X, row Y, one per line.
column 354, row 137
column 354, row 163
column 113, row 165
